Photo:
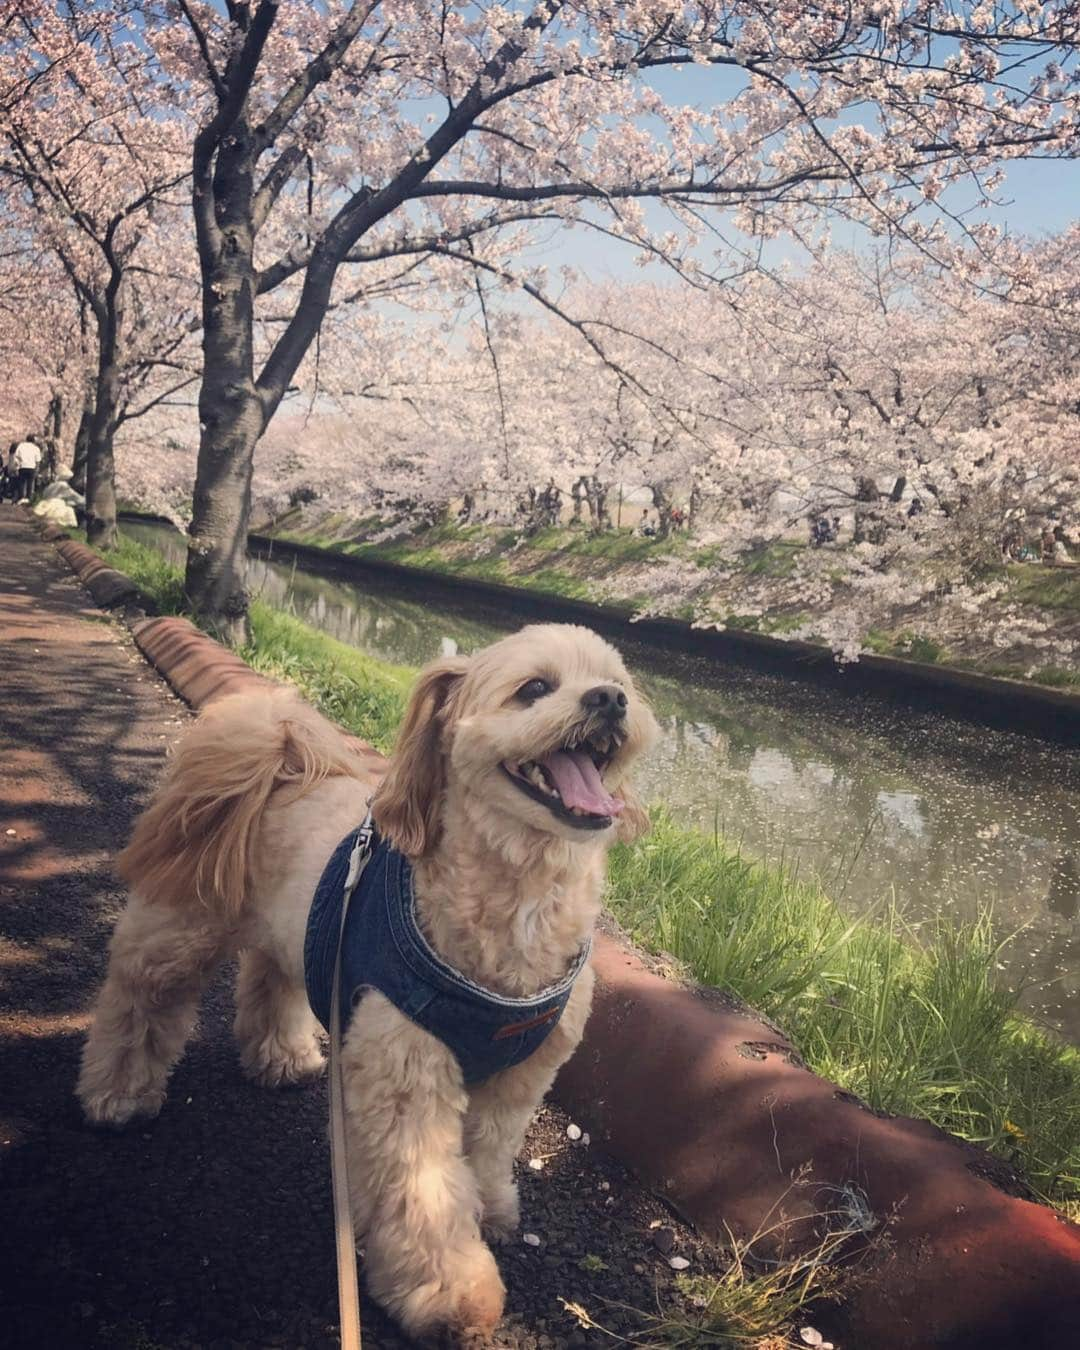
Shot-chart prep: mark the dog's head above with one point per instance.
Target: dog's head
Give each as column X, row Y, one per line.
column 538, row 731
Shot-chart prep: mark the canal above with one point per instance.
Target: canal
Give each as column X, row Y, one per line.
column 881, row 802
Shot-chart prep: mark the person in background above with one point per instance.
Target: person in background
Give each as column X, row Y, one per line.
column 6, row 484
column 11, row 473
column 27, row 456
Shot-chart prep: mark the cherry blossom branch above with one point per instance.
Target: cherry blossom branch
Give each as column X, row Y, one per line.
column 204, row 49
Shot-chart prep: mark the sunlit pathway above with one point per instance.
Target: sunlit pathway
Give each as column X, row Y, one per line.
column 210, row 1227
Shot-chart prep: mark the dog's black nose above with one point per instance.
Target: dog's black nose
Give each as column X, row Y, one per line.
column 608, row 699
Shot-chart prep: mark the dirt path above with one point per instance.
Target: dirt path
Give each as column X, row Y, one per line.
column 210, row 1227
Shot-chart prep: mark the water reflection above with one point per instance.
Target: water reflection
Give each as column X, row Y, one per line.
column 880, row 802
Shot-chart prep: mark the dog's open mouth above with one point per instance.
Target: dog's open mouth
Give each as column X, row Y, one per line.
column 569, row 783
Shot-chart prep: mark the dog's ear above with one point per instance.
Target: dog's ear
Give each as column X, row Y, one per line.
column 406, row 805
column 634, row 820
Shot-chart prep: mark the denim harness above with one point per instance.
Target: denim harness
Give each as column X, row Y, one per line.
column 383, row 948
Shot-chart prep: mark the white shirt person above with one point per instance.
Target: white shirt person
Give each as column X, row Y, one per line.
column 26, row 458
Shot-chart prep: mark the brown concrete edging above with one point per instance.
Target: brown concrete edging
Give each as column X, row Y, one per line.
column 712, row 1108
column 196, row 666
column 201, row 670
column 108, row 587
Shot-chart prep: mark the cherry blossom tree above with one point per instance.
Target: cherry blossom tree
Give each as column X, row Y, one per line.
column 338, row 137
column 91, row 162
column 933, row 413
column 841, row 391
column 42, row 345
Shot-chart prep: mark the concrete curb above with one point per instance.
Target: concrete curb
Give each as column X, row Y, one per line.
column 201, row 670
column 108, row 587
column 712, row 1108
column 196, row 666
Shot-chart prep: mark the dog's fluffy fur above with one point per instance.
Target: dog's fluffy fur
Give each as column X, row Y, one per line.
column 226, row 860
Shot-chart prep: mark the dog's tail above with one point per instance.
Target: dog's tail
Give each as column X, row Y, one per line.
column 198, row 839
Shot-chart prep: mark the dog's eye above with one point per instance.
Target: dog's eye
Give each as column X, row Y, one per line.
column 534, row 689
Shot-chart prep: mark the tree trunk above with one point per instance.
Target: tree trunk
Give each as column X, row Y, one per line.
column 601, row 514
column 231, row 413
column 50, row 440
column 82, row 443
column 54, row 418
column 870, row 526
column 664, row 507
column 100, row 468
column 216, row 574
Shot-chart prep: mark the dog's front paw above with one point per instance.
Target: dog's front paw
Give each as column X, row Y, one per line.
column 117, row 1109
column 502, row 1211
column 462, row 1309
column 276, row 1065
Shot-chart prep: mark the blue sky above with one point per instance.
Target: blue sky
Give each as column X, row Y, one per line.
column 1038, row 198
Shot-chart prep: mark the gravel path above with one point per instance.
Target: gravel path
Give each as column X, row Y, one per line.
column 212, row 1226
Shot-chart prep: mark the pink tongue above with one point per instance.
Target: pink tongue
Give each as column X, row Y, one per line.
column 579, row 783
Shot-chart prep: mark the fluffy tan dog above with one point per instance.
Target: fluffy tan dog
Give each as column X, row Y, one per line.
column 507, row 788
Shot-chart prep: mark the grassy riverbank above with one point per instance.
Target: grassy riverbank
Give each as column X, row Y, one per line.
column 751, row 593
column 911, row 1022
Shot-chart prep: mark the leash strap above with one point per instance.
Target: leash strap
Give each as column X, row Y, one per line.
column 348, row 1290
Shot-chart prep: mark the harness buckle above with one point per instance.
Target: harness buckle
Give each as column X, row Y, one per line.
column 361, row 852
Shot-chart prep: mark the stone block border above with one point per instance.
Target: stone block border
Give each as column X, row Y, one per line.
column 712, row 1107
column 109, row 588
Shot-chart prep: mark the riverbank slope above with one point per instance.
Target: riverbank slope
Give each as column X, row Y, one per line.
column 754, row 595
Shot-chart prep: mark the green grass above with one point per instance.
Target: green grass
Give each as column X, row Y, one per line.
column 1057, row 677
column 906, row 645
column 364, row 695
column 1051, row 587
column 773, row 560
column 551, row 581
column 154, row 575
column 758, row 1301
column 910, row 1022
column 763, row 623
column 754, row 1304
